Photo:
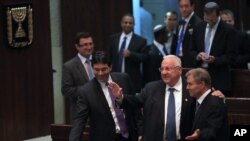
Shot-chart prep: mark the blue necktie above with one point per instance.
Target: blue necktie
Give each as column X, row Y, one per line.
column 89, row 69
column 120, row 55
column 164, row 49
column 180, row 39
column 119, row 115
column 207, row 41
column 171, row 124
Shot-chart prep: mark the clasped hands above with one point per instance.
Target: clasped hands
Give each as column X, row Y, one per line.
column 203, row 57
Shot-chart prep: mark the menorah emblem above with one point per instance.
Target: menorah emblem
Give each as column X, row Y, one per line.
column 19, row 14
column 19, row 28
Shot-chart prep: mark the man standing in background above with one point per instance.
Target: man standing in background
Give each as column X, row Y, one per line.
column 77, row 71
column 127, row 51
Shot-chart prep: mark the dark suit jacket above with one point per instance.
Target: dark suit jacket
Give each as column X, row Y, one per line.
column 187, row 60
column 222, row 48
column 74, row 75
column 211, row 119
column 152, row 100
column 243, row 50
column 151, row 65
column 93, row 104
column 137, row 48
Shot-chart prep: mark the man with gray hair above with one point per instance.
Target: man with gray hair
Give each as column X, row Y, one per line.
column 210, row 122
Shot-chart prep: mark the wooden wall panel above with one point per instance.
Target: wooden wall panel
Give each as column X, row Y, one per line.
column 26, row 109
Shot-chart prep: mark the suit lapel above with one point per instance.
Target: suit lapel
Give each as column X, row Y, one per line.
column 100, row 95
column 200, row 111
column 81, row 68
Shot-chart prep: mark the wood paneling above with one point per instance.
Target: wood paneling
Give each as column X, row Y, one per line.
column 26, row 109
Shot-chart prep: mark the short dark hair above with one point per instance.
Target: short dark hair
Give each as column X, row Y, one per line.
column 100, row 57
column 80, row 35
column 211, row 7
column 129, row 15
column 191, row 2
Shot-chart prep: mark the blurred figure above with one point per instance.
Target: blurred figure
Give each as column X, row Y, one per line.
column 242, row 42
column 171, row 24
column 155, row 54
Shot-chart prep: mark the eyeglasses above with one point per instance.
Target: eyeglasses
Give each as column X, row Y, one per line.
column 100, row 69
column 85, row 44
column 168, row 68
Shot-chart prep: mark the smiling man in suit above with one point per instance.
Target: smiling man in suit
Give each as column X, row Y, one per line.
column 127, row 51
column 95, row 101
column 77, row 71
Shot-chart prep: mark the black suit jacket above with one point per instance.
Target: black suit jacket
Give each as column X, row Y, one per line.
column 92, row 103
column 243, row 50
column 211, row 119
column 187, row 60
column 137, row 48
column 151, row 65
column 74, row 75
column 152, row 100
column 222, row 48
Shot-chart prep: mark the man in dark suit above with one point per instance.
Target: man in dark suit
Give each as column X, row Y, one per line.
column 96, row 102
column 127, row 51
column 242, row 41
column 171, row 25
column 77, row 71
column 210, row 122
column 213, row 47
column 155, row 54
column 154, row 99
column 185, row 29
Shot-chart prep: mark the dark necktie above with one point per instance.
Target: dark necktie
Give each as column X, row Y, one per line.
column 119, row 116
column 120, row 59
column 197, row 106
column 89, row 69
column 164, row 49
column 180, row 39
column 171, row 124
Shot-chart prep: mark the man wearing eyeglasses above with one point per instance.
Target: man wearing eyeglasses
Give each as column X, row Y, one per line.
column 96, row 102
column 167, row 106
column 77, row 71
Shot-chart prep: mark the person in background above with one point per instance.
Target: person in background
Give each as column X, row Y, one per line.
column 155, row 54
column 185, row 29
column 213, row 46
column 211, row 121
column 242, row 41
column 96, row 102
column 77, row 71
column 171, row 24
column 167, row 106
column 127, row 52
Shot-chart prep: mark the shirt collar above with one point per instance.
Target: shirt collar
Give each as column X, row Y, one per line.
column 188, row 18
column 177, row 86
column 126, row 35
column 202, row 97
column 82, row 58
